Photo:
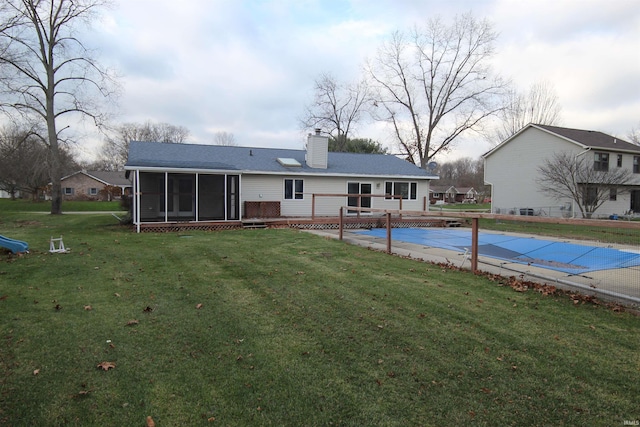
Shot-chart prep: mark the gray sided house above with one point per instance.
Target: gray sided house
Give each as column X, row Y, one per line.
column 511, row 169
column 212, row 183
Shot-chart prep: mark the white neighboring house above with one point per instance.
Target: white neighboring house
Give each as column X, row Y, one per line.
column 212, row 183
column 512, row 166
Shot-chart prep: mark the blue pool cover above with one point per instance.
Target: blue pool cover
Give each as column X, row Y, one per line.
column 567, row 257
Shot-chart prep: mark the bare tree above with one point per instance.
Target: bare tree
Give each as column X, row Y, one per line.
column 634, row 135
column 567, row 176
column 538, row 105
column 225, row 138
column 48, row 73
column 115, row 148
column 434, row 84
column 337, row 108
column 23, row 161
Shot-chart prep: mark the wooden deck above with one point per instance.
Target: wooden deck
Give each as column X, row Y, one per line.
column 319, row 223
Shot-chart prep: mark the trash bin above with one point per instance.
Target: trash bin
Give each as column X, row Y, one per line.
column 613, row 217
column 527, row 211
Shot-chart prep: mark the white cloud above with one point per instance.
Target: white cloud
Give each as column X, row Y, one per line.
column 247, row 67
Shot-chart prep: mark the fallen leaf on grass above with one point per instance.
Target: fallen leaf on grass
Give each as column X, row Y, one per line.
column 199, row 306
column 4, row 297
column 106, row 365
column 148, row 309
column 150, row 422
column 36, row 371
column 116, row 294
column 88, row 308
column 132, row 322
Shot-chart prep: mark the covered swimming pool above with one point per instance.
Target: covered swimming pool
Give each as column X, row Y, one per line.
column 570, row 258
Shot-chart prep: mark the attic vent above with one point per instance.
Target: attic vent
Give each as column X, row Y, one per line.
column 289, row 162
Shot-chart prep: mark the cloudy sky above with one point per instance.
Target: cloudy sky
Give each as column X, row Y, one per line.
column 247, row 67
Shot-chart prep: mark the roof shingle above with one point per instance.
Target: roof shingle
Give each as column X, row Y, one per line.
column 263, row 160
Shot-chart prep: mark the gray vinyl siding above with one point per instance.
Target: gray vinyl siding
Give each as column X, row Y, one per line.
column 511, row 170
column 271, row 188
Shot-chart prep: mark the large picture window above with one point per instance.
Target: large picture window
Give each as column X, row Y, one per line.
column 293, row 189
column 408, row 190
column 601, row 162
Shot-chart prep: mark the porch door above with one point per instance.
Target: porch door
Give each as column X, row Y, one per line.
column 181, row 197
column 358, row 188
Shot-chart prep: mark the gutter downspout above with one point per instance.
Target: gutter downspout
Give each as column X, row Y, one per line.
column 575, row 184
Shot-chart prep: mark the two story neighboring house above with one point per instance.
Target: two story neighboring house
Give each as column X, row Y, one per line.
column 511, row 169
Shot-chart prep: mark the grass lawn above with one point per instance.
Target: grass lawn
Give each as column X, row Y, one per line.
column 21, row 205
column 603, row 234
column 281, row 327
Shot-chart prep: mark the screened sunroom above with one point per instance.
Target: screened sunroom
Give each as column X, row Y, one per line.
column 173, row 197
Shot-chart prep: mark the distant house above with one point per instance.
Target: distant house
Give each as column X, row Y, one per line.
column 466, row 195
column 511, row 169
column 205, row 183
column 442, row 194
column 6, row 195
column 95, row 185
column 451, row 194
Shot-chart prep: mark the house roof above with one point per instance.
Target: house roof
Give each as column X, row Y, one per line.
column 442, row 189
column 584, row 138
column 147, row 155
column 115, row 178
column 592, row 138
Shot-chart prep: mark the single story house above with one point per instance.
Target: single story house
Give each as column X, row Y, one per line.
column 452, row 194
column 442, row 194
column 95, row 185
column 212, row 183
column 466, row 195
column 511, row 169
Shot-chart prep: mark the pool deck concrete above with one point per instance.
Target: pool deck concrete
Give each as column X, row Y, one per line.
column 620, row 285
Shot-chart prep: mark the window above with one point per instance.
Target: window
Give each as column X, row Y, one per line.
column 613, row 194
column 636, row 164
column 93, row 191
column 601, row 162
column 619, row 160
column 68, row 191
column 589, row 195
column 293, row 189
column 408, row 190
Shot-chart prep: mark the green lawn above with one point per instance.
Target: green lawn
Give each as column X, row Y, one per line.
column 281, row 327
column 20, row 205
column 602, row 234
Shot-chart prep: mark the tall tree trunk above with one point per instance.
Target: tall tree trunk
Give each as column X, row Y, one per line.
column 55, row 166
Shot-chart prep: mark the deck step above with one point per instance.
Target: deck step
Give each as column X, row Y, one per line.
column 253, row 223
column 454, row 224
